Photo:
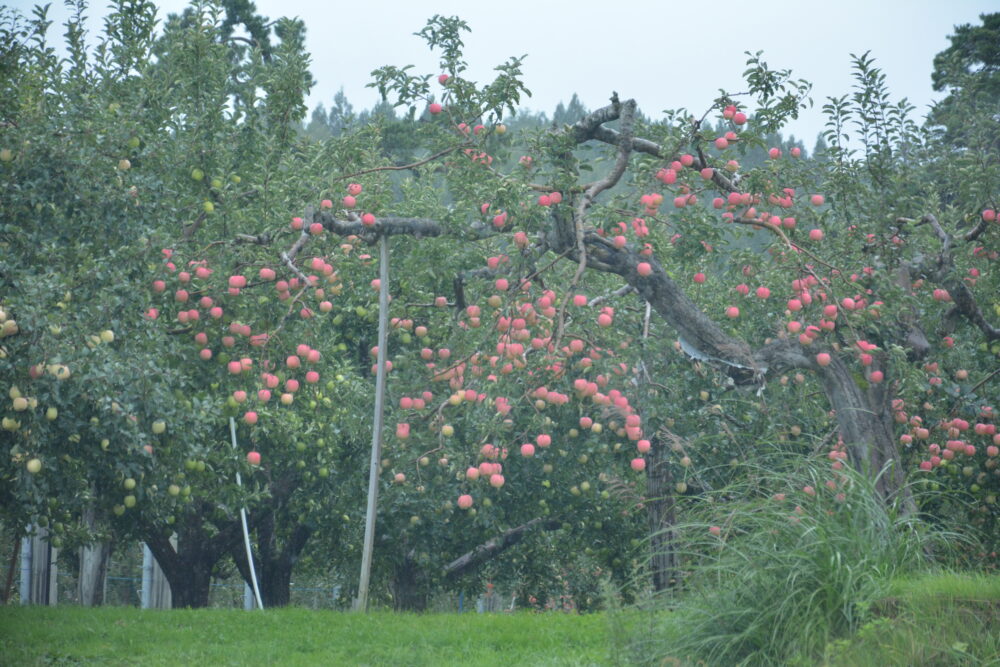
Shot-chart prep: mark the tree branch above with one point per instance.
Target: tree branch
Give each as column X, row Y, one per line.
column 496, row 546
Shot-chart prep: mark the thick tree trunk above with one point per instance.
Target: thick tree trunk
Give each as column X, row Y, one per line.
column 190, row 565
column 273, row 565
column 410, row 586
column 662, row 518
column 11, row 566
column 194, row 590
column 93, row 565
column 865, row 422
column 276, row 584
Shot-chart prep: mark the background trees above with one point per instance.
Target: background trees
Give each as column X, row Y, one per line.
column 594, row 319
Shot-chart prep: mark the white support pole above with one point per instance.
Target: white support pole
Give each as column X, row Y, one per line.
column 246, row 532
column 383, row 325
column 26, row 556
column 145, row 597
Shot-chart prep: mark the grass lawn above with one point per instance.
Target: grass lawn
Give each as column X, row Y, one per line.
column 128, row 636
column 940, row 619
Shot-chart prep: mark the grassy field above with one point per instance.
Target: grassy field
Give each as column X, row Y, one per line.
column 127, row 636
column 928, row 620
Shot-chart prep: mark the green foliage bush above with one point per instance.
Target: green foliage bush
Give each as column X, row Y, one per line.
column 779, row 565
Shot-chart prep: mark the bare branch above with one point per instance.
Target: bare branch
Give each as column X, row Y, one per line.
column 496, row 546
column 965, row 305
column 389, row 226
column 621, row 291
column 412, row 165
column 627, row 113
column 976, row 231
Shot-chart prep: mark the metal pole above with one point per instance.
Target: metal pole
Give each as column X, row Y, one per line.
column 146, row 594
column 243, row 519
column 383, row 325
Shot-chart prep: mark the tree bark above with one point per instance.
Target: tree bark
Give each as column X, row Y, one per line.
column 662, row 518
column 410, row 586
column 496, row 546
column 866, row 427
column 9, row 583
column 93, row 565
column 190, row 565
column 273, row 564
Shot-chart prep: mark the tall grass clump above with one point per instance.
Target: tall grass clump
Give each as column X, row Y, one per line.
column 938, row 618
column 779, row 565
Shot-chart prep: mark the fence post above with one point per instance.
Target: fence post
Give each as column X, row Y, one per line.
column 38, row 569
column 26, row 556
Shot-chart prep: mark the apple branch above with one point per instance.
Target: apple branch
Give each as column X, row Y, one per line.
column 496, row 546
column 976, row 231
column 965, row 302
column 412, row 165
column 965, row 305
column 627, row 114
column 288, row 257
column 621, row 291
column 388, row 226
column 639, row 145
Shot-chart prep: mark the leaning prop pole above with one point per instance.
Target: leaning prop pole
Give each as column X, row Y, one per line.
column 246, row 533
column 383, row 325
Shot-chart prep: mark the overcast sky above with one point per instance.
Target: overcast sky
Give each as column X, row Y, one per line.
column 664, row 53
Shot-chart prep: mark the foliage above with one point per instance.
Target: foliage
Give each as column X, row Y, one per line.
column 969, row 70
column 936, row 618
column 782, row 564
column 568, row 306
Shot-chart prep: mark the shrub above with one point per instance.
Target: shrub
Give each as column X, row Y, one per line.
column 781, row 564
